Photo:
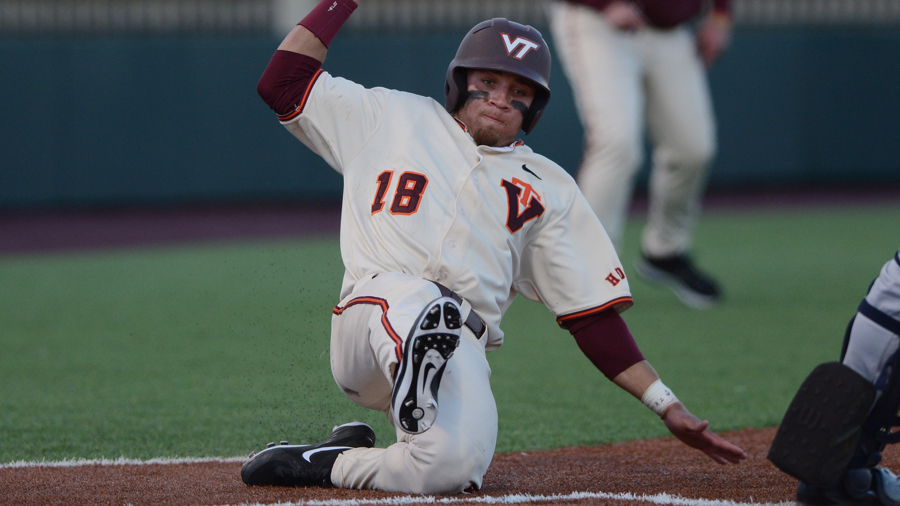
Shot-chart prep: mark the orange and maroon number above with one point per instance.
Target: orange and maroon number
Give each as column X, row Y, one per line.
column 407, row 197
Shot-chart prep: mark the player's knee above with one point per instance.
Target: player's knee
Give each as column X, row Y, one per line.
column 455, row 467
column 694, row 156
column 617, row 150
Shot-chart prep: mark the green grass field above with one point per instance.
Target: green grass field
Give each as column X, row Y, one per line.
column 214, row 350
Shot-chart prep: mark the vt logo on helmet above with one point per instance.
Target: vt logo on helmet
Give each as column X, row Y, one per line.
column 500, row 44
column 511, row 46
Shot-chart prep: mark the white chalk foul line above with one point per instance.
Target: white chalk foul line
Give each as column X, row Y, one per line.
column 522, row 499
column 121, row 461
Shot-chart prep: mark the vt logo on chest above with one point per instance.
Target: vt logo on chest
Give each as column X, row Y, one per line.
column 523, row 202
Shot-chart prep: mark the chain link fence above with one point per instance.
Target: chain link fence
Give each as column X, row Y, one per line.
column 278, row 16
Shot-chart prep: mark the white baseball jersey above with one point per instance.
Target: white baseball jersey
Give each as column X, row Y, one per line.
column 421, row 198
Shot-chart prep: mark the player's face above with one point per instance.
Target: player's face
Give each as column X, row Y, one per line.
column 495, row 106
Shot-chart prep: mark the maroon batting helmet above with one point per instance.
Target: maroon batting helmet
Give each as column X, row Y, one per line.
column 500, row 44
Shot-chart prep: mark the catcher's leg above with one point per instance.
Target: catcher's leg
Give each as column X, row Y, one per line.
column 871, row 349
column 823, row 425
column 844, row 414
column 831, row 441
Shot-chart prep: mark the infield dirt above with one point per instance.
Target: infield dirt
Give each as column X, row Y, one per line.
column 651, row 467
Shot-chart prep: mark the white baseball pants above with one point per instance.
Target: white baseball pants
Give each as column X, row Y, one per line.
column 454, row 454
column 617, row 78
column 873, row 343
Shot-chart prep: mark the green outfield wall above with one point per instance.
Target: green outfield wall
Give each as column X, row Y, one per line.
column 116, row 120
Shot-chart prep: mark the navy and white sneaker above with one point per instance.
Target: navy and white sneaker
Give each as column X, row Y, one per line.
column 305, row 465
column 431, row 342
column 678, row 272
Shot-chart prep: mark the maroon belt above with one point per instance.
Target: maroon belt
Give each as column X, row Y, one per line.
column 473, row 321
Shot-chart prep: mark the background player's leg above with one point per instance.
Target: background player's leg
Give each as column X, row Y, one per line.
column 455, row 452
column 682, row 127
column 604, row 72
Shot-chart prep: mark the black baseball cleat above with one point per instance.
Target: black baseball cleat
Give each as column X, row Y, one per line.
column 678, row 272
column 304, row 466
column 431, row 342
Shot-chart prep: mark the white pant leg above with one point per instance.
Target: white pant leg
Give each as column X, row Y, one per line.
column 870, row 348
column 682, row 128
column 455, row 452
column 605, row 72
column 872, row 345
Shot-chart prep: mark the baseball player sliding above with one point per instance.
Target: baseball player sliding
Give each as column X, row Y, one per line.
column 446, row 219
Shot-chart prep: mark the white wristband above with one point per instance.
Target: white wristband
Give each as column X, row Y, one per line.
column 658, row 397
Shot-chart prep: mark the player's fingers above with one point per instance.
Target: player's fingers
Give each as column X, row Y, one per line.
column 727, row 450
column 729, row 457
column 731, row 453
column 718, row 458
column 696, row 428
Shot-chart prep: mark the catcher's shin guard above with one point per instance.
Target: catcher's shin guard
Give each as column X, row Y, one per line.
column 877, row 431
column 822, row 427
column 882, row 419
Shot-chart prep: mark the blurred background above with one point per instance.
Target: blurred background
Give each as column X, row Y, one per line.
column 146, row 102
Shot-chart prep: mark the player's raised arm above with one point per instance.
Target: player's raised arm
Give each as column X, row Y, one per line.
column 312, row 36
column 300, row 55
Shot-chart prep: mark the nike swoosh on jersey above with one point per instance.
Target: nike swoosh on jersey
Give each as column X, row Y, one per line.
column 309, row 453
column 526, row 169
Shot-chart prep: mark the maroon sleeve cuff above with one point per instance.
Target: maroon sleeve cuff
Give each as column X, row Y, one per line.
column 286, row 81
column 327, row 18
column 605, row 340
column 618, row 305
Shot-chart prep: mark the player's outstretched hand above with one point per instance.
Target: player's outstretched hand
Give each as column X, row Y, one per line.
column 696, row 434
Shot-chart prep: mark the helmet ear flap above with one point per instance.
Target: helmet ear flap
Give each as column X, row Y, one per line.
column 534, row 112
column 455, row 88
